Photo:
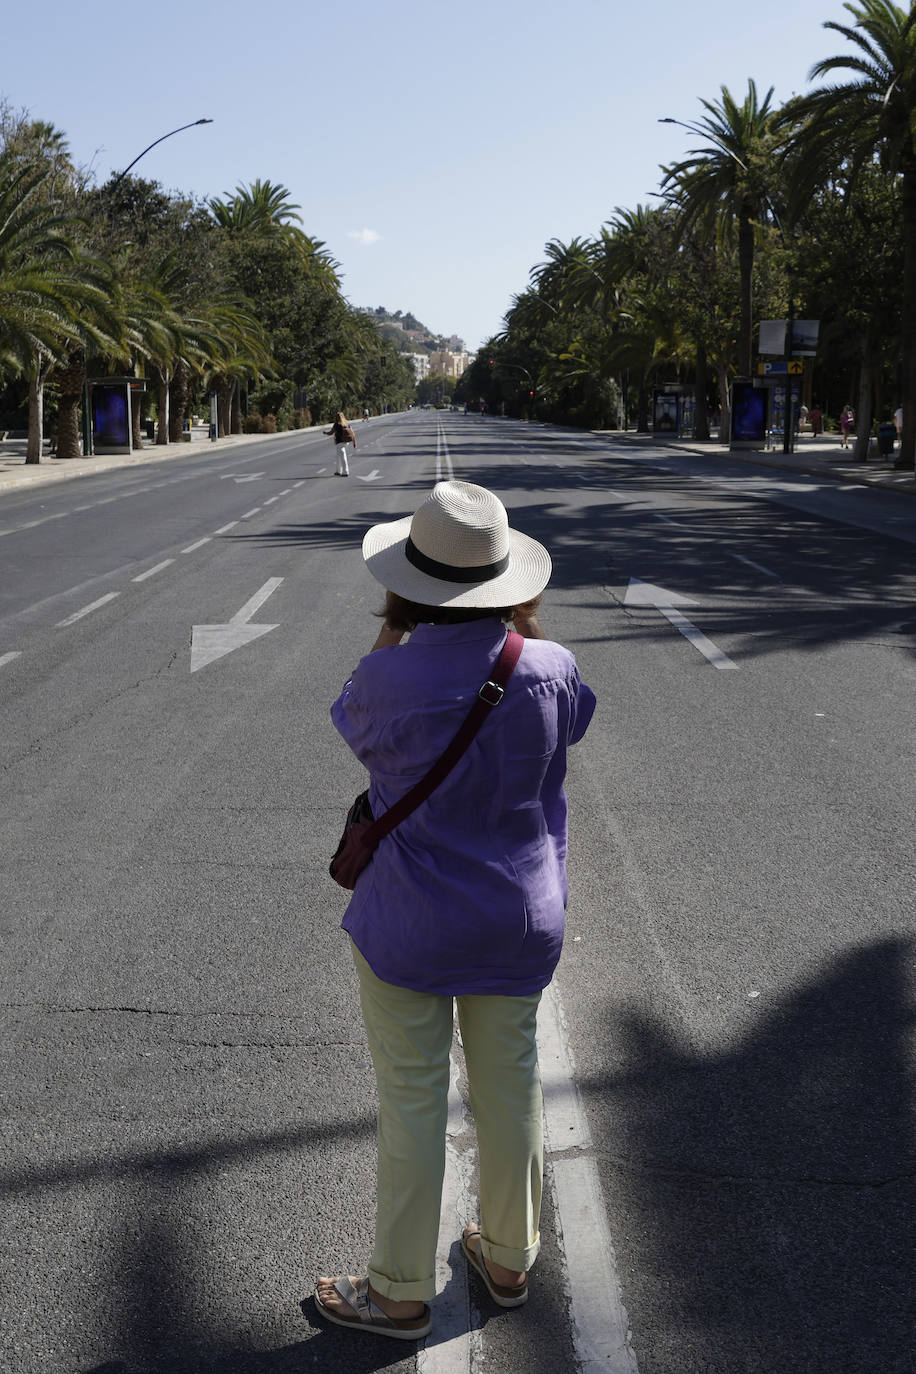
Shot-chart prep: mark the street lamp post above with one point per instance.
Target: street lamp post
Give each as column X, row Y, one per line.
column 87, row 418
column 710, row 137
column 121, row 175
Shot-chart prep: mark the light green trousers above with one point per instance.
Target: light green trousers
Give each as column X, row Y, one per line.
column 410, row 1036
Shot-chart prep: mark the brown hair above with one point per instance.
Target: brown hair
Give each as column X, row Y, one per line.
column 401, row 614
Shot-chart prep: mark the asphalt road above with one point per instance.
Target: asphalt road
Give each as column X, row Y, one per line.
column 188, row 1106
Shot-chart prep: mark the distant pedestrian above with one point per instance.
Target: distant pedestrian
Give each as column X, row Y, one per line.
column 847, row 424
column 898, row 422
column 802, row 416
column 365, row 414
column 815, row 415
column 343, row 435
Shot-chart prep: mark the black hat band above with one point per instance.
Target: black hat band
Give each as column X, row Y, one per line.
column 447, row 572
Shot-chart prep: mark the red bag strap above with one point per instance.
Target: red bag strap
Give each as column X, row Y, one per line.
column 489, row 696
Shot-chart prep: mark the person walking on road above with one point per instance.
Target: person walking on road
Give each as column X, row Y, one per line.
column 365, row 414
column 343, row 435
column 464, row 901
column 847, row 424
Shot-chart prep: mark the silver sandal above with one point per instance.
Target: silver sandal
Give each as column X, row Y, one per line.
column 368, row 1316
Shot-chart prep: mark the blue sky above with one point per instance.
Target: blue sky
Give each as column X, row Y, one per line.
column 434, row 149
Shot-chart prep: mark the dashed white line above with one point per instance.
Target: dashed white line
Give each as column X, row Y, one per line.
column 270, row 500
column 287, row 492
column 759, row 566
column 151, row 572
column 299, row 484
column 8, row 658
column 199, row 545
column 225, row 528
column 249, row 513
column 94, row 606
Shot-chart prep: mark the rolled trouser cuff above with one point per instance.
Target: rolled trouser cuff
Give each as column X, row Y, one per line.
column 508, row 1257
column 417, row 1290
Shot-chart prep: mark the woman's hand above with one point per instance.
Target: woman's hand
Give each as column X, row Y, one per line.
column 526, row 621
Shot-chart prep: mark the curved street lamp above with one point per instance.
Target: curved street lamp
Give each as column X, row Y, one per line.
column 121, row 175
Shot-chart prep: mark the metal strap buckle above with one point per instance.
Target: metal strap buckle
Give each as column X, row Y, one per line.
column 494, row 695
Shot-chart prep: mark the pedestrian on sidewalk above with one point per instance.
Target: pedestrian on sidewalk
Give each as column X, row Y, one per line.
column 464, row 900
column 343, row 435
column 898, row 422
column 815, row 415
column 847, row 423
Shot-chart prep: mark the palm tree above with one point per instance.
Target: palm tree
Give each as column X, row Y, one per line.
column 869, row 117
column 50, row 293
column 728, row 183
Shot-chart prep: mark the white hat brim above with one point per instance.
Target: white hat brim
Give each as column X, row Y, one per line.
column 384, row 549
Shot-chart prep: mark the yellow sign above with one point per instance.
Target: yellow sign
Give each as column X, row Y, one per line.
column 794, row 366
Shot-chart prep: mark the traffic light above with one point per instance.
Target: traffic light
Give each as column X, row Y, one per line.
column 491, row 362
column 530, row 393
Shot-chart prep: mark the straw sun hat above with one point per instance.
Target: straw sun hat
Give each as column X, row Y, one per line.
column 457, row 550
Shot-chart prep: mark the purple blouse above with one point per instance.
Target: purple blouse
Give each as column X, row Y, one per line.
column 468, row 894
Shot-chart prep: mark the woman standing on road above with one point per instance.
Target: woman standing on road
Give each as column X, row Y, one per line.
column 464, row 900
column 343, row 435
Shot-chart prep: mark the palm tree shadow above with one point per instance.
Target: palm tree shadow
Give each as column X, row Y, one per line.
column 774, row 1181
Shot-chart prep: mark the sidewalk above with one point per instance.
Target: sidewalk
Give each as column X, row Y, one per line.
column 15, row 473
column 820, row 457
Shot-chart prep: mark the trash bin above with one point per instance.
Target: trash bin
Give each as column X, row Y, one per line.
column 887, row 432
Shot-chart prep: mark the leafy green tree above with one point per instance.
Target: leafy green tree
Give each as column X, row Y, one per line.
column 846, row 125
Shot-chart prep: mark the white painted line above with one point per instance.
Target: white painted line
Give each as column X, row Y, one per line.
column 716, row 657
column 255, row 602
column 601, row 1329
column 759, row 566
column 321, row 472
column 289, row 489
column 151, row 572
column 199, row 545
column 270, row 500
column 249, row 513
column 8, row 658
column 448, row 1350
column 301, row 483
column 600, row 1325
column 231, row 526
column 564, row 1120
column 78, row 615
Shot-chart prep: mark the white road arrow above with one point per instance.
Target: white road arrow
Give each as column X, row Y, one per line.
column 210, row 642
column 372, row 476
column 241, row 476
column 648, row 594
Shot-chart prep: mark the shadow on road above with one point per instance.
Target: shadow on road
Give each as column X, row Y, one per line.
column 774, row 1182
column 763, row 578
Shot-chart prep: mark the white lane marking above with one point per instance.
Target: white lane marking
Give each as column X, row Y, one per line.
column 210, row 642
column 444, row 468
column 372, row 476
column 301, row 483
column 78, row 615
column 601, row 1332
column 199, row 545
column 759, row 566
column 448, row 1349
column 321, row 472
column 151, row 572
column 565, row 1123
column 8, row 658
column 270, row 500
column 255, row 602
column 287, row 492
column 249, row 513
column 710, row 651
column 641, row 593
column 225, row 528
